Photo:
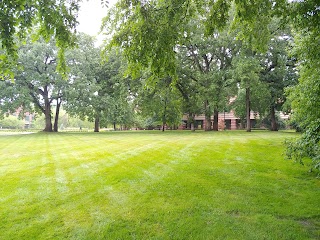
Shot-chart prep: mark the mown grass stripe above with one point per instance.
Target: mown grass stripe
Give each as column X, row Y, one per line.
column 153, row 185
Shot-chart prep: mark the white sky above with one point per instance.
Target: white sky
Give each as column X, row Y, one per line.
column 90, row 15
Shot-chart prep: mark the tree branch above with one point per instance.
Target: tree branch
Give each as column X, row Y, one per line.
column 195, row 58
column 36, row 102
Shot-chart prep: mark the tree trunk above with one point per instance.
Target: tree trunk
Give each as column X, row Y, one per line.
column 208, row 123
column 56, row 118
column 248, row 109
column 191, row 120
column 164, row 115
column 114, row 126
column 241, row 123
column 96, row 124
column 274, row 126
column 215, row 120
column 207, row 116
column 48, row 127
column 47, row 113
column 192, row 127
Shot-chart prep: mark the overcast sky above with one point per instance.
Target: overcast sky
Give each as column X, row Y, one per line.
column 90, row 15
column 92, row 12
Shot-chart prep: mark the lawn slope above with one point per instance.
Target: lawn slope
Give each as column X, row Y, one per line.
column 154, row 185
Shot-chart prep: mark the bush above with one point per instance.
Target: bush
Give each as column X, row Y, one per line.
column 266, row 122
column 11, row 122
column 306, row 147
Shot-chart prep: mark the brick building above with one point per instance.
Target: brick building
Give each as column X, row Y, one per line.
column 226, row 120
column 27, row 117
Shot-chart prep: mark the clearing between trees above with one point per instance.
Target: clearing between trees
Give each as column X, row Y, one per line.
column 154, row 185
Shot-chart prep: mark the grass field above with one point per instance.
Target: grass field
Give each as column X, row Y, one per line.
column 154, row 185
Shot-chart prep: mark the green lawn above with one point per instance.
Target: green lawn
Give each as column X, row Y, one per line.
column 154, row 185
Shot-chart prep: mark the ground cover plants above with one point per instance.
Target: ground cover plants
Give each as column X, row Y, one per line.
column 154, row 185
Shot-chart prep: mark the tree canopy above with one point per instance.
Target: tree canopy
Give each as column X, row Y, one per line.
column 149, row 31
column 37, row 84
column 57, row 18
column 305, row 96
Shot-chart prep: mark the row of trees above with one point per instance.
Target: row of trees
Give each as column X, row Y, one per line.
column 166, row 45
column 211, row 70
column 93, row 89
column 220, row 67
column 150, row 31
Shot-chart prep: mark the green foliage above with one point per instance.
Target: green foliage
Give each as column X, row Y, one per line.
column 259, row 101
column 281, row 123
column 246, row 69
column 249, row 19
column 12, row 97
column 204, row 71
column 76, row 123
column 38, row 122
column 37, row 83
column 305, row 102
column 305, row 96
column 160, row 103
column 278, row 71
column 141, row 122
column 252, row 19
column 245, row 72
column 11, row 122
column 305, row 16
column 189, row 91
column 97, row 87
column 306, row 147
column 82, row 92
column 149, row 32
column 49, row 18
column 218, row 16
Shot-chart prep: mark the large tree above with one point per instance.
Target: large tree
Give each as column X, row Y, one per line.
column 160, row 101
column 97, row 87
column 36, row 81
column 259, row 102
column 206, row 60
column 246, row 69
column 188, row 88
column 278, row 72
column 82, row 98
